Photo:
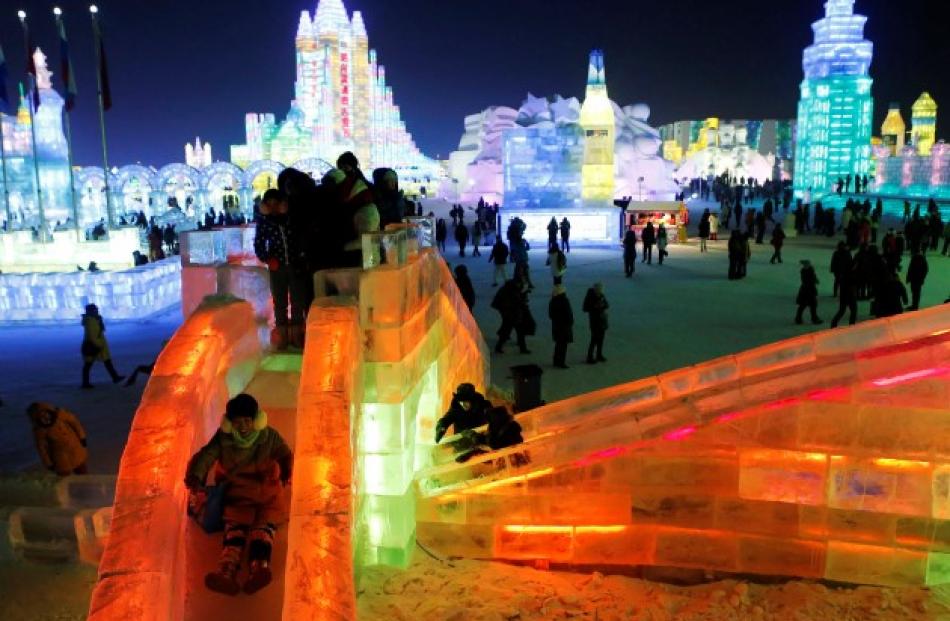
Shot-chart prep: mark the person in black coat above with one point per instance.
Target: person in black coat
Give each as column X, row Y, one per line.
column 808, row 294
column 737, row 249
column 916, row 275
column 595, row 305
column 891, row 296
column 468, row 410
column 704, row 229
column 630, row 252
column 841, row 262
column 846, row 281
column 511, row 302
column 565, row 235
column 562, row 324
column 553, row 229
column 461, row 236
column 464, row 284
column 648, row 237
column 778, row 240
column 441, row 233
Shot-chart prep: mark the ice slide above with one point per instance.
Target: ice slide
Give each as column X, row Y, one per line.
column 825, row 456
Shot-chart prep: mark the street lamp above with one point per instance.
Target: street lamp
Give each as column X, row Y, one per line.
column 21, row 14
column 57, row 11
column 93, row 9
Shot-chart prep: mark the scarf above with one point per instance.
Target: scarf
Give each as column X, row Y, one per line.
column 245, row 442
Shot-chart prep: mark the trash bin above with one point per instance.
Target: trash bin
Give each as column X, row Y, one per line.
column 527, row 379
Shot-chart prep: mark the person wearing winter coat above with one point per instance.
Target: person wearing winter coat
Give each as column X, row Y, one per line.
column 841, row 262
column 441, row 233
column 519, row 256
column 60, row 439
column 704, row 226
column 565, row 235
column 648, row 237
column 808, row 294
column 477, row 229
column 255, row 463
column 390, row 200
column 499, row 258
column 562, row 324
column 553, row 229
column 461, row 237
column 511, row 302
column 891, row 297
column 778, row 240
column 464, row 284
column 557, row 261
column 629, row 252
column 916, row 275
column 713, row 227
column 737, row 254
column 595, row 305
column 846, row 281
column 277, row 246
column 95, row 347
column 468, row 410
column 661, row 242
column 356, row 196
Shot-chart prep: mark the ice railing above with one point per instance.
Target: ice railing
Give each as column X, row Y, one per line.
column 211, row 357
column 693, row 396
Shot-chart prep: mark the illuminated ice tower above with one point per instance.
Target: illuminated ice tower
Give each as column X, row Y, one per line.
column 597, row 120
column 835, row 110
column 341, row 103
column 924, row 123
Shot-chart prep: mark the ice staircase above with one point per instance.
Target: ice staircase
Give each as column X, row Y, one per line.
column 825, row 456
column 275, row 386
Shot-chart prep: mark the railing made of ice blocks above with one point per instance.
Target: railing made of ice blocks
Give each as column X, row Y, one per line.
column 127, row 294
column 211, row 357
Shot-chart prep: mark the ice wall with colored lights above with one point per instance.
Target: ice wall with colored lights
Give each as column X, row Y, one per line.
column 826, row 456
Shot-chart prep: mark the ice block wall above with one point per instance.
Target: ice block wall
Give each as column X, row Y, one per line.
column 825, row 456
column 212, row 356
column 419, row 342
column 133, row 293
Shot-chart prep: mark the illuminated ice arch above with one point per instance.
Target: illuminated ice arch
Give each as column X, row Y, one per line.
column 136, row 188
column 90, row 184
column 181, row 183
column 261, row 175
column 313, row 166
column 223, row 179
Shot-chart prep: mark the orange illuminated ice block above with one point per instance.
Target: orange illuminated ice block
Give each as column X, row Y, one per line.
column 825, row 456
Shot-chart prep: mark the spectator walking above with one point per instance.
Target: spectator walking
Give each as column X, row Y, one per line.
column 461, row 237
column 60, row 439
column 95, row 347
column 565, row 235
column 511, row 302
column 595, row 305
column 704, row 226
column 648, row 237
column 499, row 258
column 629, row 252
column 562, row 324
column 916, row 275
column 477, row 229
column 661, row 242
column 808, row 293
column 778, row 240
column 441, row 233
column 464, row 284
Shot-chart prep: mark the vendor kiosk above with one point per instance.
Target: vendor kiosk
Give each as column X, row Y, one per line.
column 672, row 214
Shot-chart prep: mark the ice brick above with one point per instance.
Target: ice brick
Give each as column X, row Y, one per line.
column 881, row 484
column 851, row 562
column 784, row 476
column 86, row 491
column 44, row 534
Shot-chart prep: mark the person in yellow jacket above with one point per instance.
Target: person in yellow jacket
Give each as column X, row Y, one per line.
column 95, row 347
column 60, row 438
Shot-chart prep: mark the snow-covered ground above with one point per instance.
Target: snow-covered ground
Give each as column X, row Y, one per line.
column 665, row 317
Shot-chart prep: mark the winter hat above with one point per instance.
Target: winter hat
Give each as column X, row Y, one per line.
column 465, row 392
column 241, row 406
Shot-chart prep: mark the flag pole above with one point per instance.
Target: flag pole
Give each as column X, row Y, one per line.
column 97, row 43
column 3, row 153
column 67, row 79
column 32, row 100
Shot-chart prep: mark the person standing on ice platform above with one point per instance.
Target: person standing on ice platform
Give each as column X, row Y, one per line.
column 648, row 237
column 553, row 229
column 461, row 236
column 95, row 347
column 565, row 235
column 808, row 293
column 468, row 410
column 255, row 462
column 595, row 305
column 511, row 302
column 629, row 252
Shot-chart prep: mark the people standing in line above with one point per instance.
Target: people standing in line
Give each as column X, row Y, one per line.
column 777, row 241
column 704, row 226
column 60, row 439
column 916, row 275
column 511, row 302
column 95, row 347
column 477, row 230
column 847, row 291
column 648, row 237
column 461, row 237
column 277, row 246
column 255, row 463
column 553, row 229
column 565, row 235
column 841, row 262
column 808, row 293
column 562, row 323
column 464, row 283
column 629, row 252
column 595, row 305
column 499, row 258
column 661, row 243
column 441, row 233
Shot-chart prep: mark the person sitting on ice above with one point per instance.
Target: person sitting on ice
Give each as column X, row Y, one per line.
column 469, row 409
column 255, row 463
column 60, row 439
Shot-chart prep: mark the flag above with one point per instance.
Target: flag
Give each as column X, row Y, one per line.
column 30, row 65
column 4, row 99
column 103, row 68
column 66, row 66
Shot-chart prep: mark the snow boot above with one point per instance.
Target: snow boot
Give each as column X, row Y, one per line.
column 225, row 579
column 258, row 578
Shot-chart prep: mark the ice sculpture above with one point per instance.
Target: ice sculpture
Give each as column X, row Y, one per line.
column 823, row 456
column 728, row 148
column 924, row 123
column 893, row 129
column 642, row 173
column 835, row 110
column 597, row 121
column 342, row 103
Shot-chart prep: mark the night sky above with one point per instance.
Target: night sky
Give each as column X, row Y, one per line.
column 186, row 68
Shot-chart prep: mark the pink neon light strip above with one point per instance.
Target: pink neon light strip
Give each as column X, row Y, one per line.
column 909, row 377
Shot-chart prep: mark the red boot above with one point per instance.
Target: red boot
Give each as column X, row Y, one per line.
column 258, row 578
column 225, row 579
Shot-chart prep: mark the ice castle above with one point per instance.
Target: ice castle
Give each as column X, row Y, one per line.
column 835, row 110
column 341, row 103
column 21, row 208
